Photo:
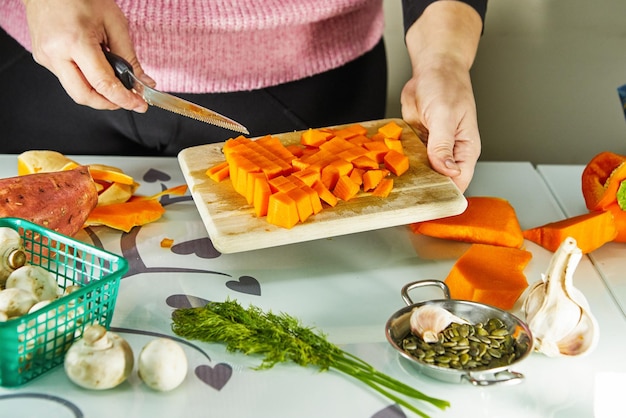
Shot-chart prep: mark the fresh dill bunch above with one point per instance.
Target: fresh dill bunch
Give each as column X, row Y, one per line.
column 280, row 338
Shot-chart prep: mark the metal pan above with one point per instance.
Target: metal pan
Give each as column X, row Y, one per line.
column 398, row 327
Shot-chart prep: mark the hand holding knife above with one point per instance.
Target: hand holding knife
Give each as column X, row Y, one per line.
column 124, row 71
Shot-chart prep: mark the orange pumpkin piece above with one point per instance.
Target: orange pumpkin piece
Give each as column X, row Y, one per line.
column 377, row 150
column 391, row 130
column 345, row 189
column 486, row 220
column 590, row 230
column 371, row 178
column 314, row 137
column 396, row 162
column 365, row 163
column 124, row 216
column 282, row 210
column 394, row 144
column 325, row 194
column 384, row 188
column 261, row 195
column 619, row 217
column 489, row 274
column 218, row 172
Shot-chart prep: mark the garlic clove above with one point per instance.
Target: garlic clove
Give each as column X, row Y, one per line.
column 427, row 321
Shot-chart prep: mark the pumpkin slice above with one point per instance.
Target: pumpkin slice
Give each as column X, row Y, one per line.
column 590, row 230
column 489, row 274
column 486, row 220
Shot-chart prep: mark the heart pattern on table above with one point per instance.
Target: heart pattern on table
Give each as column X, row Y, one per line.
column 201, row 247
column 392, row 411
column 216, row 377
column 245, row 284
column 185, row 301
column 153, row 175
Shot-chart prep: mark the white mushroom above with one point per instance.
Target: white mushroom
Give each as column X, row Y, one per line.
column 101, row 359
column 16, row 302
column 162, row 364
column 12, row 254
column 39, row 281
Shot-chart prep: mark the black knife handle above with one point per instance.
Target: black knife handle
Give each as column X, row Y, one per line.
column 122, row 68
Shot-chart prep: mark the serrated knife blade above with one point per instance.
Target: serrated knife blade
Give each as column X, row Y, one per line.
column 124, row 71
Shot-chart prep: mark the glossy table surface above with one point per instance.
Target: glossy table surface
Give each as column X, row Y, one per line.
column 346, row 287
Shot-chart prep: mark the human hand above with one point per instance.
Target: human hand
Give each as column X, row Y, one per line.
column 67, row 38
column 439, row 103
column 438, row 100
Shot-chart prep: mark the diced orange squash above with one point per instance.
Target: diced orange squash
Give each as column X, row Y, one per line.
column 303, row 203
column 590, row 230
column 262, row 194
column 356, row 175
column 365, row 163
column 351, row 131
column 329, row 177
column 489, row 274
column 384, row 188
column 316, row 203
column 325, row 194
column 307, row 176
column 352, row 153
column 486, row 220
column 391, row 130
column 397, row 163
column 280, row 184
column 345, row 189
column 314, row 137
column 359, row 140
column 296, row 150
column 218, row 172
column 371, row 178
column 377, row 150
column 282, row 210
column 394, row 144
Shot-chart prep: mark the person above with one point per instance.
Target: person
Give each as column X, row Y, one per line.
column 272, row 66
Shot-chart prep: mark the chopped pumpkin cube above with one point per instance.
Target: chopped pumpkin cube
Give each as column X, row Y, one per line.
column 282, row 210
column 391, row 130
column 384, row 188
column 397, row 163
column 345, row 189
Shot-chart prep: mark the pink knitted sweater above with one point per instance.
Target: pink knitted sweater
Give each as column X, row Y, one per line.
column 200, row 46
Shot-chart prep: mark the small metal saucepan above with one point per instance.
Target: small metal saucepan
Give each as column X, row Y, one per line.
column 398, row 326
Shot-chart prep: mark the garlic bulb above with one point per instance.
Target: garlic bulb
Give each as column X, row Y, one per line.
column 557, row 313
column 427, row 321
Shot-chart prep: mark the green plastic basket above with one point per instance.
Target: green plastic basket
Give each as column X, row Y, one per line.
column 37, row 342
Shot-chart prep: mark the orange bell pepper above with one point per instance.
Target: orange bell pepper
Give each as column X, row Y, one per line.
column 601, row 180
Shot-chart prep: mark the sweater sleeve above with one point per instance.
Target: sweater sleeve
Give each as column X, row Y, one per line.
column 413, row 9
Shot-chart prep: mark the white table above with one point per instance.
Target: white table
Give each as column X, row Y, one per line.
column 345, row 286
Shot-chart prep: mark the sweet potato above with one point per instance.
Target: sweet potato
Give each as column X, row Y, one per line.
column 61, row 200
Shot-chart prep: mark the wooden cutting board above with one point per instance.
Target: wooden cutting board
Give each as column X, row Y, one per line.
column 419, row 194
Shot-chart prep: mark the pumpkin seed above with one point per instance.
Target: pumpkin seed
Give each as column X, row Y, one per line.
column 479, row 346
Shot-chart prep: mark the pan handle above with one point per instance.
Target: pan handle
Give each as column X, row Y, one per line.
column 505, row 377
column 421, row 283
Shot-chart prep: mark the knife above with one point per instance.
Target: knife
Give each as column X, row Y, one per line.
column 124, row 71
